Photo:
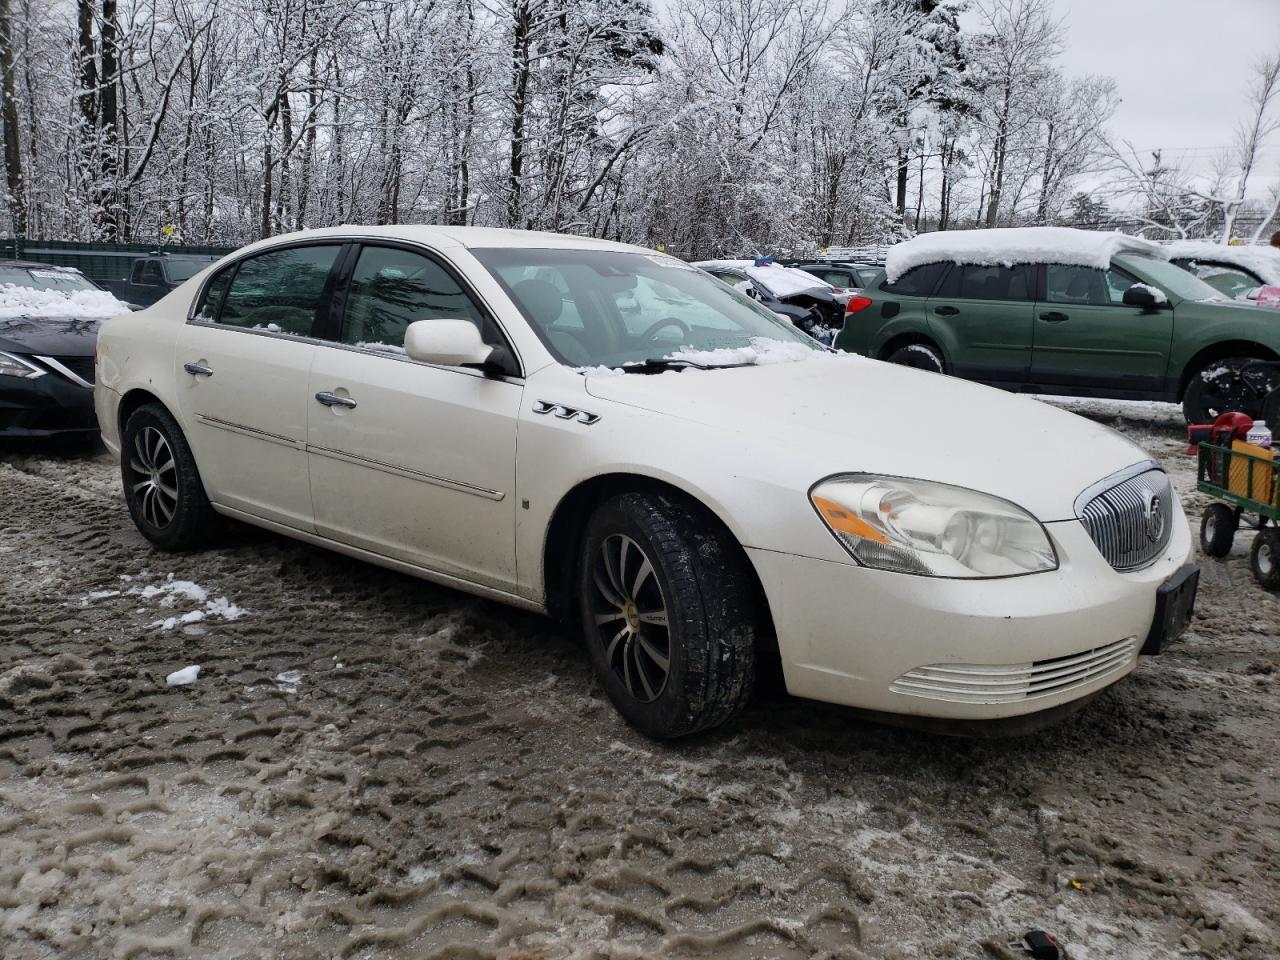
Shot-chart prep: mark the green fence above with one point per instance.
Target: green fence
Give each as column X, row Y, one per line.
column 98, row 261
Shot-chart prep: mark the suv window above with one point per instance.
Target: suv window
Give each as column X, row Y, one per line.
column 1077, row 285
column 837, row 278
column 392, row 288
column 916, row 282
column 280, row 291
column 147, row 272
column 972, row 282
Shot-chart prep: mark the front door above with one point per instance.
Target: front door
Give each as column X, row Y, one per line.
column 1085, row 337
column 242, row 368
column 981, row 317
column 407, row 460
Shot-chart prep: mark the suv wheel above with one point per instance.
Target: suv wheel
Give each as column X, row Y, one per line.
column 921, row 356
column 669, row 612
column 1231, row 385
column 162, row 486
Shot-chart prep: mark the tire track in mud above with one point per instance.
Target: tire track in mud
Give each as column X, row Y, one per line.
column 444, row 778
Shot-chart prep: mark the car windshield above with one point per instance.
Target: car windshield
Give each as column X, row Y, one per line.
column 612, row 307
column 179, row 269
column 45, row 278
column 1170, row 278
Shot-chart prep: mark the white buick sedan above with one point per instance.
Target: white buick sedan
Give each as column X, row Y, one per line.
column 604, row 433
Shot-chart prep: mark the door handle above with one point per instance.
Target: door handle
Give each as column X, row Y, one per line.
column 333, row 400
column 946, row 311
column 197, row 369
column 1053, row 316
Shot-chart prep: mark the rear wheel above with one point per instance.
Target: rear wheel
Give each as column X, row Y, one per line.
column 669, row 611
column 162, row 486
column 1231, row 385
column 921, row 356
column 1218, row 529
column 1264, row 558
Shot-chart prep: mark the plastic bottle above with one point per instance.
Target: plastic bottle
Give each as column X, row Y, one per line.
column 1259, row 434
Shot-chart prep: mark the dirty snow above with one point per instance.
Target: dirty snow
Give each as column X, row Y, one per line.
column 448, row 778
column 1006, row 246
column 18, row 301
column 1261, row 260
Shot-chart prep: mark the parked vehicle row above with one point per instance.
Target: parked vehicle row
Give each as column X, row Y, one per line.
column 605, row 433
column 809, row 302
column 1077, row 313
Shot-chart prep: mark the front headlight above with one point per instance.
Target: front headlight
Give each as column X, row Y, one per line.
column 931, row 529
column 11, row 365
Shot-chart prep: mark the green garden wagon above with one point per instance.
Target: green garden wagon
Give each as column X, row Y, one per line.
column 1242, row 483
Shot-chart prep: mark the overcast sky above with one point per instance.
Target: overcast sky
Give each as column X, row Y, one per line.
column 1183, row 68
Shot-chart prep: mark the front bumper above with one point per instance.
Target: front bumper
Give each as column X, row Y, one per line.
column 48, row 406
column 964, row 649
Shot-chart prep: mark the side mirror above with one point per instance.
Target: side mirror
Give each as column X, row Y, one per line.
column 449, row 343
column 1146, row 297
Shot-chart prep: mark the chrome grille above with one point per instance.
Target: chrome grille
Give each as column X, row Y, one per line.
column 1131, row 520
column 1016, row 682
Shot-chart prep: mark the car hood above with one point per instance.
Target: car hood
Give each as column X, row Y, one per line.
column 50, row 336
column 850, row 414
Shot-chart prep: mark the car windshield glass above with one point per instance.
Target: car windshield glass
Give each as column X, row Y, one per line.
column 180, row 269
column 1170, row 278
column 37, row 278
column 611, row 307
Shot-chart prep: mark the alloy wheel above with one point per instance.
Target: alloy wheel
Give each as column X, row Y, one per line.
column 631, row 617
column 155, row 480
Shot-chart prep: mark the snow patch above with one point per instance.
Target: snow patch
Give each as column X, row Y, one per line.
column 18, row 301
column 288, row 681
column 382, row 348
column 762, row 351
column 180, row 678
column 1005, row 246
column 1262, row 260
column 1156, row 293
column 779, row 280
column 172, row 591
column 602, row 371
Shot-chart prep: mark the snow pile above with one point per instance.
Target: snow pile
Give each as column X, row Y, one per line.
column 1263, row 261
column 180, row 678
column 778, row 280
column 18, row 301
column 762, row 351
column 1005, row 246
column 602, row 371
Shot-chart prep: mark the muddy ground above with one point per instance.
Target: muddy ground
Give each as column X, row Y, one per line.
column 369, row 765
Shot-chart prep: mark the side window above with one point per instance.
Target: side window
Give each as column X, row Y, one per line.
column 1226, row 279
column 146, row 272
column 1078, row 285
column 392, row 288
column 280, row 291
column 916, row 282
column 1117, row 283
column 838, row 278
column 211, row 300
column 972, row 282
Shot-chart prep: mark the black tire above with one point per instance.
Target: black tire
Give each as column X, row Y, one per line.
column 1230, row 385
column 1264, row 558
column 919, row 356
column 707, row 599
column 1218, row 529
column 168, row 504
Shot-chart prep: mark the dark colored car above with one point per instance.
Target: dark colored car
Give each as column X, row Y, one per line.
column 153, row 277
column 46, row 361
column 1141, row 329
column 813, row 306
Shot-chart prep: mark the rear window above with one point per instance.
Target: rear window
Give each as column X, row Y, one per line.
column 916, row 282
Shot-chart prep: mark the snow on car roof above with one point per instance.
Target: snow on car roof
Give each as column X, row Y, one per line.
column 1005, row 246
column 777, row 279
column 1262, row 260
column 18, row 301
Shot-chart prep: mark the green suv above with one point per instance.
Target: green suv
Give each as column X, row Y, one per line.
column 1138, row 329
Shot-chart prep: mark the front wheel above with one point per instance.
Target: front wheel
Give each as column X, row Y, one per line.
column 1218, row 529
column 669, row 613
column 1232, row 385
column 1264, row 558
column 162, row 486
column 921, row 356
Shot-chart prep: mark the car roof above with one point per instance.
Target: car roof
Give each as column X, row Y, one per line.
column 35, row 265
column 446, row 236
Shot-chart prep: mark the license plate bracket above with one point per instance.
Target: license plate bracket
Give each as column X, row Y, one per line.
column 1175, row 602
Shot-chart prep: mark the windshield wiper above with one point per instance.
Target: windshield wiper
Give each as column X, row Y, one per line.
column 661, row 364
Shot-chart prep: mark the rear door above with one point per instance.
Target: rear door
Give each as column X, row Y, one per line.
column 242, row 365
column 1086, row 338
column 981, row 317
